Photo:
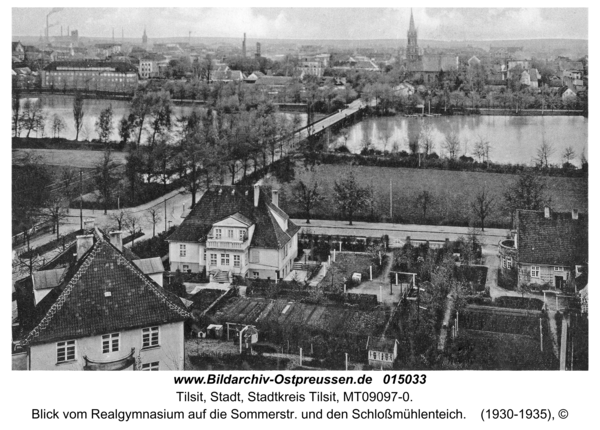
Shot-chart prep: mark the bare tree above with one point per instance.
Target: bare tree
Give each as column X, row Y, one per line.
column 544, row 152
column 58, row 125
column 308, row 196
column 118, row 218
column 452, row 145
column 133, row 224
column 424, row 201
column 32, row 118
column 54, row 211
column 483, row 206
column 153, row 217
column 569, row 154
column 350, row 196
column 482, row 149
column 426, row 139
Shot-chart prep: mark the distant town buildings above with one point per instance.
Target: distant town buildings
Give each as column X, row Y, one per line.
column 90, row 75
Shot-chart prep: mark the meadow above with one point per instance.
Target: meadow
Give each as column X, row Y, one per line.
column 452, row 191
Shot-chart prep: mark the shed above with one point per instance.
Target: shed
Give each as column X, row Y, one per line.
column 382, row 351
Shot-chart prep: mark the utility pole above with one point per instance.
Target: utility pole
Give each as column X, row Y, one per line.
column 80, row 199
column 165, row 215
column 391, row 217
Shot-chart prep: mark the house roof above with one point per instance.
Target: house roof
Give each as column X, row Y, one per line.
column 150, row 265
column 220, row 202
column 381, row 344
column 47, row 278
column 559, row 240
column 274, row 80
column 102, row 293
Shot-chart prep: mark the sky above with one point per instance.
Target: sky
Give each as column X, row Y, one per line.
column 310, row 23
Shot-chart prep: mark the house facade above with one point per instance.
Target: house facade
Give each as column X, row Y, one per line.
column 237, row 231
column 547, row 247
column 102, row 311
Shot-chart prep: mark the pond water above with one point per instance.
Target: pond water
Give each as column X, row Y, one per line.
column 63, row 106
column 514, row 139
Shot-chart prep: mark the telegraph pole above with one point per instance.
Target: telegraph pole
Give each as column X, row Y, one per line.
column 80, row 199
column 391, row 217
column 165, row 215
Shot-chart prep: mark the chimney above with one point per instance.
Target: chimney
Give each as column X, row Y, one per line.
column 575, row 213
column 547, row 212
column 256, row 194
column 116, row 239
column 275, row 197
column 84, row 243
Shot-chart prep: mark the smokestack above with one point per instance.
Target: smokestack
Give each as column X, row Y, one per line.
column 256, row 194
column 84, row 243
column 116, row 239
column 575, row 214
column 275, row 197
column 547, row 212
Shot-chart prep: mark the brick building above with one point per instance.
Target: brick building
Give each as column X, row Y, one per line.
column 90, row 75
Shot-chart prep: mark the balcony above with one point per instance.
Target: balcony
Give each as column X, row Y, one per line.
column 226, row 243
column 123, row 363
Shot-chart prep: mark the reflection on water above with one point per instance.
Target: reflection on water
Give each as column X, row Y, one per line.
column 514, row 139
column 63, row 106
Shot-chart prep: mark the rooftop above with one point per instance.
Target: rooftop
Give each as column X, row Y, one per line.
column 559, row 240
column 103, row 292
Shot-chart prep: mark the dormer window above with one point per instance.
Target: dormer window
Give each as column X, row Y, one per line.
column 217, row 233
column 242, row 235
column 230, row 233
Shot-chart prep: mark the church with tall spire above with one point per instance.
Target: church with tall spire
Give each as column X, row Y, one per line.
column 412, row 48
column 424, row 66
column 145, row 38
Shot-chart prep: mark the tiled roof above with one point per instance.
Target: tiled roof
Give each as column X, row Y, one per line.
column 381, row 344
column 104, row 292
column 215, row 206
column 558, row 240
column 150, row 265
column 47, row 278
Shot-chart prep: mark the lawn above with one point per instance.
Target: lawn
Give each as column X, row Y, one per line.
column 85, row 159
column 480, row 350
column 453, row 192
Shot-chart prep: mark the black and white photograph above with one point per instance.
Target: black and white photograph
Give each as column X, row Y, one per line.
column 398, row 189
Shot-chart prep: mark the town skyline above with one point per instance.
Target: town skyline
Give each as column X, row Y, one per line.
column 436, row 24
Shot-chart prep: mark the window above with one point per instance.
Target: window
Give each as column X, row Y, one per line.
column 236, row 261
column 149, row 337
column 509, row 262
column 535, row 271
column 150, row 366
column 242, row 234
column 182, row 250
column 285, row 250
column 217, row 233
column 230, row 234
column 255, row 275
column 110, row 343
column 558, row 269
column 186, row 267
column 224, row 259
column 65, row 351
column 204, row 254
column 213, row 259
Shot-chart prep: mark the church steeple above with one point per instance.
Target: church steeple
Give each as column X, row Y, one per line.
column 412, row 49
column 144, row 37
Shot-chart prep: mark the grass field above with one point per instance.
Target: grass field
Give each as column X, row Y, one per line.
column 453, row 192
column 70, row 157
